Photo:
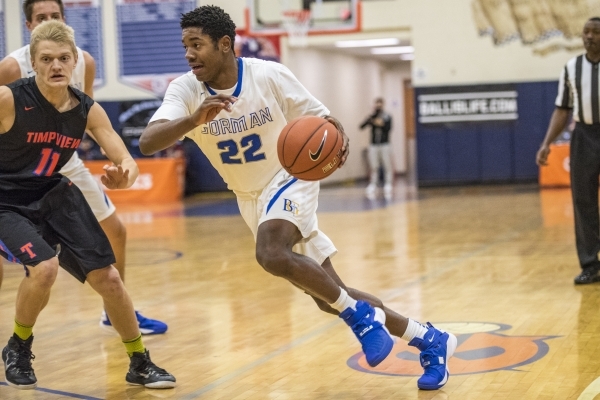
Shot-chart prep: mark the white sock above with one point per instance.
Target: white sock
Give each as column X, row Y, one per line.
column 344, row 301
column 413, row 330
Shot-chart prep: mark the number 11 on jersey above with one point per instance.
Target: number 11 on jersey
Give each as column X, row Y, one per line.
column 47, row 162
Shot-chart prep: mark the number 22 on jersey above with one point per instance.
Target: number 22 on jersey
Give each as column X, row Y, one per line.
column 250, row 146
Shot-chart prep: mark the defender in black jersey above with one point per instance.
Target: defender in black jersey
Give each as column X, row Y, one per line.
column 44, row 219
column 17, row 65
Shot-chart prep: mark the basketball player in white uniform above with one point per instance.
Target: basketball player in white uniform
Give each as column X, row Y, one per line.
column 234, row 109
column 18, row 65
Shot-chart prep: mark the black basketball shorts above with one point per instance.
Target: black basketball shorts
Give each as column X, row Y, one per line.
column 32, row 233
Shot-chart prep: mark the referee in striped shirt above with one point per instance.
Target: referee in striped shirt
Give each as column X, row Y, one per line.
column 579, row 92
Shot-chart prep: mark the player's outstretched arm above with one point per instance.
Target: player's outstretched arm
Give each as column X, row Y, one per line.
column 9, row 70
column 124, row 171
column 7, row 109
column 346, row 146
column 164, row 133
column 160, row 134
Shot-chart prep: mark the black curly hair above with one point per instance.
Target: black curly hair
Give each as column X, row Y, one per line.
column 213, row 21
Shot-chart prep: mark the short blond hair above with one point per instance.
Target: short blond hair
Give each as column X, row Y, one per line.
column 54, row 31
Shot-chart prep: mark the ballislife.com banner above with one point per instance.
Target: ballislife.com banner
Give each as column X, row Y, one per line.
column 467, row 104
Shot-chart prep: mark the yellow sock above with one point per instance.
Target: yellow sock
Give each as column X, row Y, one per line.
column 22, row 331
column 134, row 345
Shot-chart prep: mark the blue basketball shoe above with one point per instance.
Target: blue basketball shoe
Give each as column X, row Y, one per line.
column 147, row 326
column 436, row 348
column 367, row 323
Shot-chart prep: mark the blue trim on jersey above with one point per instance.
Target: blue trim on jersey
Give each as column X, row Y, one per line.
column 274, row 199
column 238, row 88
column 9, row 256
column 105, row 197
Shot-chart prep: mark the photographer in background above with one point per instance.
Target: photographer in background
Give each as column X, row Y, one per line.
column 380, row 155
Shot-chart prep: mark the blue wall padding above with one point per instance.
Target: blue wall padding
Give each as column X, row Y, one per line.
column 487, row 151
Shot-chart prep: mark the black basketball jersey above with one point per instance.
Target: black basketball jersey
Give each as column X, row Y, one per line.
column 39, row 143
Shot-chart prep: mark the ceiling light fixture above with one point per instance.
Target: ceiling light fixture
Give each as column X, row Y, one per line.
column 393, row 50
column 368, row 42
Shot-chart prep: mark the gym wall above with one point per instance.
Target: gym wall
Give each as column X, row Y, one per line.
column 451, row 55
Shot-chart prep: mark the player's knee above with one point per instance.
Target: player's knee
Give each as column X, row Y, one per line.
column 44, row 273
column 274, row 260
column 106, row 281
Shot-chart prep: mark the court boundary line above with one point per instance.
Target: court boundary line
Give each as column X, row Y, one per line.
column 591, row 391
column 59, row 392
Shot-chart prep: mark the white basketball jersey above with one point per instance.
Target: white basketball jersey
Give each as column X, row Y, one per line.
column 242, row 144
column 23, row 57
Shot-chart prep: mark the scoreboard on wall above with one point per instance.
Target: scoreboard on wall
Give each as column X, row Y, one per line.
column 149, row 37
column 85, row 16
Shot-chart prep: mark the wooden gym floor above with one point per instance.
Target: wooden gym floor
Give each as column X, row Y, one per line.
column 493, row 264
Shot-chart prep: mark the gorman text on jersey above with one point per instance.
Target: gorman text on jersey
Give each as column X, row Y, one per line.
column 224, row 126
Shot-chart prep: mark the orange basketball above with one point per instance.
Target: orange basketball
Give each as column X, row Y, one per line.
column 309, row 148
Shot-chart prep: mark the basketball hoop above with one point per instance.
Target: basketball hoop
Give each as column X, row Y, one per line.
column 296, row 23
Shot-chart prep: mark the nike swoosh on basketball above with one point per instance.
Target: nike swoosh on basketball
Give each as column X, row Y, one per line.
column 28, row 108
column 315, row 156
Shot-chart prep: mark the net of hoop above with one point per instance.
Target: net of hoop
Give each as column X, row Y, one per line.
column 297, row 24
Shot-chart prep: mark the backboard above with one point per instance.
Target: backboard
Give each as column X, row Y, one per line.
column 268, row 17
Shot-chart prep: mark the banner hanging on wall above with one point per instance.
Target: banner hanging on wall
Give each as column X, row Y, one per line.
column 85, row 17
column 149, row 39
column 264, row 47
column 546, row 25
column 469, row 105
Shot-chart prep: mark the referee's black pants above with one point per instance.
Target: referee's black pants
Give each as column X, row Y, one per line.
column 585, row 173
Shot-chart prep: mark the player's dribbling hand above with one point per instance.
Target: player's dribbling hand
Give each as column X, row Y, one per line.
column 541, row 158
column 115, row 177
column 211, row 106
column 346, row 146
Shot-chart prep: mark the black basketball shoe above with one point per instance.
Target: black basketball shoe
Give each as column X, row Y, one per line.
column 587, row 275
column 17, row 358
column 142, row 371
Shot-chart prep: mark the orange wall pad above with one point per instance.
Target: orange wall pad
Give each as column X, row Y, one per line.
column 556, row 173
column 160, row 180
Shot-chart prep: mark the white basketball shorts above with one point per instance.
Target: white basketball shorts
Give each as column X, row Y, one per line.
column 293, row 200
column 76, row 171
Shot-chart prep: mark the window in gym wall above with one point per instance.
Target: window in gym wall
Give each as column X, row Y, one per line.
column 147, row 34
column 85, row 17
